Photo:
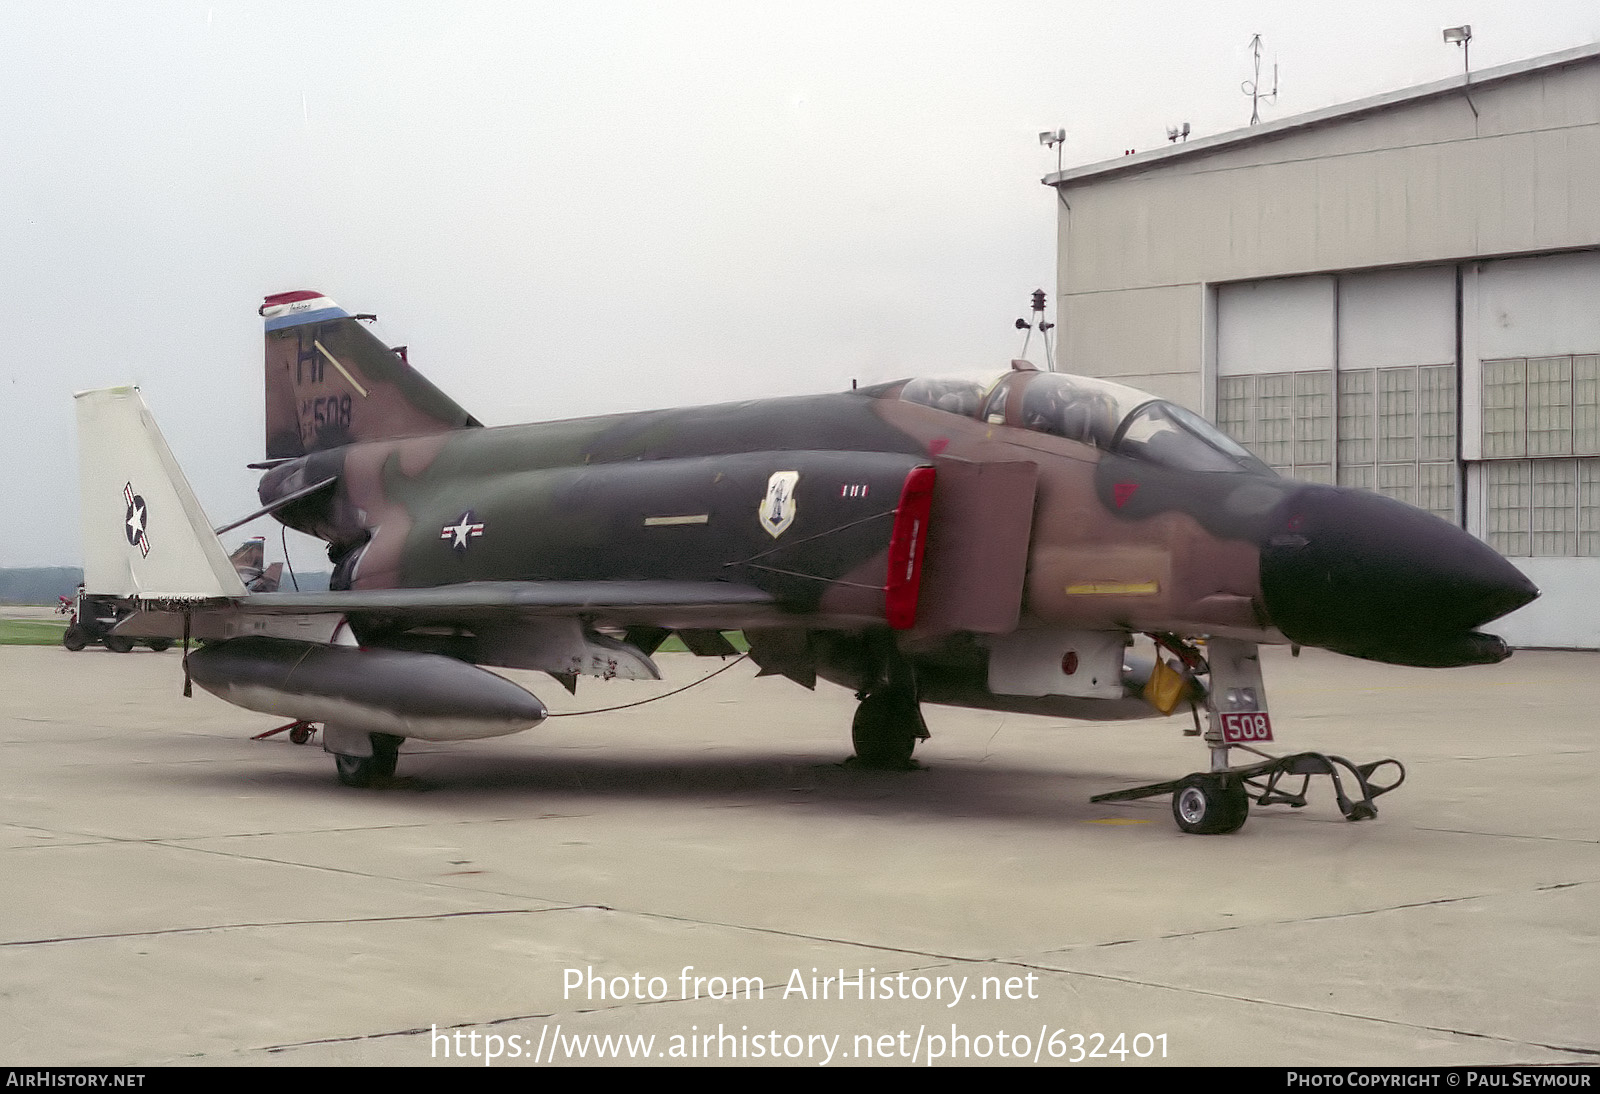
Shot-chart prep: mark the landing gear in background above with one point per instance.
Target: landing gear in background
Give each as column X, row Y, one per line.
column 92, row 619
column 363, row 771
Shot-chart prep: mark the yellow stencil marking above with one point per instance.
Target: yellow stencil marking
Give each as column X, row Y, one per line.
column 1114, row 588
column 334, row 361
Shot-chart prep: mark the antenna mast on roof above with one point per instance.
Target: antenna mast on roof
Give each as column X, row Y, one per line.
column 1252, row 88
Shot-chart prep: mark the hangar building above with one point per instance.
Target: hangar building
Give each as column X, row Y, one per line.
column 1401, row 294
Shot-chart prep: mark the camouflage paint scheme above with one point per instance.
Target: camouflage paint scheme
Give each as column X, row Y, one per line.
column 445, row 534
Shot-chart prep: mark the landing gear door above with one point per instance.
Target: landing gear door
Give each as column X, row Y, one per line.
column 977, row 554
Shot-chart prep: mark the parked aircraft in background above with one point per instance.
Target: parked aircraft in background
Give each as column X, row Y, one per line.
column 993, row 545
column 250, row 563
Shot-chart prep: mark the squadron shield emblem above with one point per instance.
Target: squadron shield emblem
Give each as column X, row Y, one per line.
column 777, row 508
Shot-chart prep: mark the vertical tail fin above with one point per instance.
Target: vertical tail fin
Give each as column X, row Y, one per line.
column 144, row 533
column 331, row 382
column 269, row 580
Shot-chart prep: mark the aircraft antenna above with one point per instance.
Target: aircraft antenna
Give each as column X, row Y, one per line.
column 1252, row 87
column 1039, row 323
column 287, row 560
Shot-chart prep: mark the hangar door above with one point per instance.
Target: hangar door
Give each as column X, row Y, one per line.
column 1534, row 333
column 1531, row 434
column 1347, row 379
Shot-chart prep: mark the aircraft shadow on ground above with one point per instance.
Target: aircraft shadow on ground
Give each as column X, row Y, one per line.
column 939, row 789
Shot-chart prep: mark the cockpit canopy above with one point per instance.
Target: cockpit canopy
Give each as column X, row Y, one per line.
column 1107, row 415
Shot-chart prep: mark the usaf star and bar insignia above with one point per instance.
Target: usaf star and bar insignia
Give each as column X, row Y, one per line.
column 464, row 529
column 135, row 521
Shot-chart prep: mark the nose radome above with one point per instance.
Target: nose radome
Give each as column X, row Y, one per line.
column 1369, row 576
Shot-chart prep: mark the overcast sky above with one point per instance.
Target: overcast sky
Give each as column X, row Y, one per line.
column 575, row 209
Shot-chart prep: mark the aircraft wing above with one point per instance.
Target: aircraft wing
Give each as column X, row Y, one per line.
column 666, row 604
column 598, row 598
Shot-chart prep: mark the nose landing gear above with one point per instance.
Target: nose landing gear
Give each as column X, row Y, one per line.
column 1218, row 801
column 1210, row 803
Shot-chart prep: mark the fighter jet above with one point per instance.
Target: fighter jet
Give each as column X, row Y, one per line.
column 993, row 543
column 250, row 563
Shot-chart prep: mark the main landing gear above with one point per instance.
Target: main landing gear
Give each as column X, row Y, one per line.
column 888, row 722
column 886, row 729
column 1218, row 801
column 361, row 759
column 363, row 771
column 353, row 768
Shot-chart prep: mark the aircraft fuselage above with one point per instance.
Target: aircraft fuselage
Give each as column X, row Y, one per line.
column 1109, row 541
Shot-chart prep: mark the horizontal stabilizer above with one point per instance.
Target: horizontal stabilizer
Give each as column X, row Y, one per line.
column 144, row 533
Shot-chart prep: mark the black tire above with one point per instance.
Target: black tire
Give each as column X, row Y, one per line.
column 301, row 733
column 884, row 731
column 1209, row 805
column 117, row 643
column 363, row 771
column 159, row 645
column 73, row 638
